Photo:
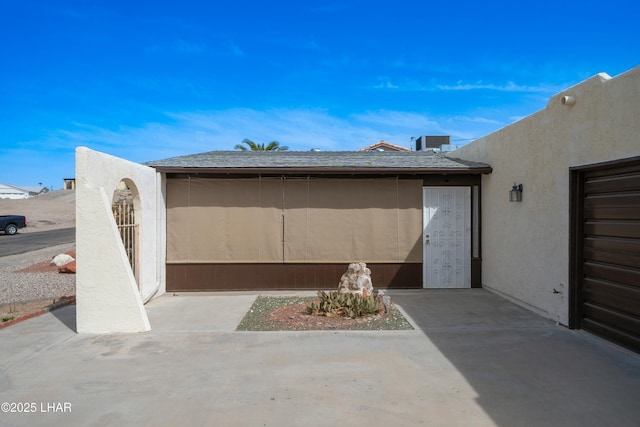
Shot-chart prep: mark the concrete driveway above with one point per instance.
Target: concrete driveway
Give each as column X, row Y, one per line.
column 474, row 359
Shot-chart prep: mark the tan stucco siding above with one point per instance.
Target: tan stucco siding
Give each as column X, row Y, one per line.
column 525, row 245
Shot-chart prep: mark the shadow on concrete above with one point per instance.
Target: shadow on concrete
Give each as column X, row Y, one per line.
column 67, row 316
column 524, row 367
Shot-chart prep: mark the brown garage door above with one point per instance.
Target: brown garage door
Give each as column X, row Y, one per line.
column 607, row 300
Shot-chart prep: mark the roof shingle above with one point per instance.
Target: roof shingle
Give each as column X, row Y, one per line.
column 318, row 161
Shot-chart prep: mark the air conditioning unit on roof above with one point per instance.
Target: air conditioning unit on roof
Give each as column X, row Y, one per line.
column 431, row 143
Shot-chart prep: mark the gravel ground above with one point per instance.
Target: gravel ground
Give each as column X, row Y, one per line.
column 18, row 287
column 53, row 210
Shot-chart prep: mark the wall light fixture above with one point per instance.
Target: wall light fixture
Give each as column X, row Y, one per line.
column 515, row 194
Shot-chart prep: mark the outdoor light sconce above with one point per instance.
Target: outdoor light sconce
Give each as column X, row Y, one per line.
column 515, row 194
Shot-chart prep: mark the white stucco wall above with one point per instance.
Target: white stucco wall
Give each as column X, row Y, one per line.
column 107, row 295
column 525, row 246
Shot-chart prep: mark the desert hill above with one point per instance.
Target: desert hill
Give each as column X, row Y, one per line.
column 48, row 211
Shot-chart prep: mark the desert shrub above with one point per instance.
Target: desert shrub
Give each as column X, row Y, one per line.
column 335, row 304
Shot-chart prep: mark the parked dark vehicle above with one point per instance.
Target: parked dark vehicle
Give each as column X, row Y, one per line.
column 11, row 223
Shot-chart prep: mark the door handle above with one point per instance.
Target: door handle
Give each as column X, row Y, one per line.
column 426, row 239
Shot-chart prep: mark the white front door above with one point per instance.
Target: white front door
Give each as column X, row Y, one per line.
column 446, row 237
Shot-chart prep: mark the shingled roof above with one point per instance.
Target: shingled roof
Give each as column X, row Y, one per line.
column 319, row 162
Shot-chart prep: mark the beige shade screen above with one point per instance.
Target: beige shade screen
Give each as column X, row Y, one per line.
column 220, row 220
column 338, row 220
column 294, row 220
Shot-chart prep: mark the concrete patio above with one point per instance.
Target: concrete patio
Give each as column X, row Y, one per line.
column 474, row 359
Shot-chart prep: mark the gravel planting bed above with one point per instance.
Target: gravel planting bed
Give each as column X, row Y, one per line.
column 290, row 314
column 40, row 282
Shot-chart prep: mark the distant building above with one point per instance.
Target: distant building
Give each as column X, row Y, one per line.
column 8, row 191
column 69, row 184
column 384, row 146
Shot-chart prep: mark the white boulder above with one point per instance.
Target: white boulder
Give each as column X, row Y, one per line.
column 62, row 259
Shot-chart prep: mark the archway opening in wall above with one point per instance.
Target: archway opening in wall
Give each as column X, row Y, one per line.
column 125, row 205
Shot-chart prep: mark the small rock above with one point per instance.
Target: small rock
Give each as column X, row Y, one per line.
column 69, row 268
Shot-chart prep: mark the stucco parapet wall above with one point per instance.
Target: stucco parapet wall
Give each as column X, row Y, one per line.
column 525, row 245
column 585, row 85
column 603, row 109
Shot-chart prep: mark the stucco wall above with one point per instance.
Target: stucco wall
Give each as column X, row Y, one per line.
column 525, row 246
column 108, row 297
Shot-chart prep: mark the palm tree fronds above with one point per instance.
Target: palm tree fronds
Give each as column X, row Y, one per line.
column 252, row 146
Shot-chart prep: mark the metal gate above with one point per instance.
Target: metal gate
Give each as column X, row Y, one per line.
column 124, row 214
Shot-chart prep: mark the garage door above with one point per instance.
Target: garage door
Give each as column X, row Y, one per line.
column 608, row 252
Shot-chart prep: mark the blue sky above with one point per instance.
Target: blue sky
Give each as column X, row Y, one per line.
column 150, row 80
